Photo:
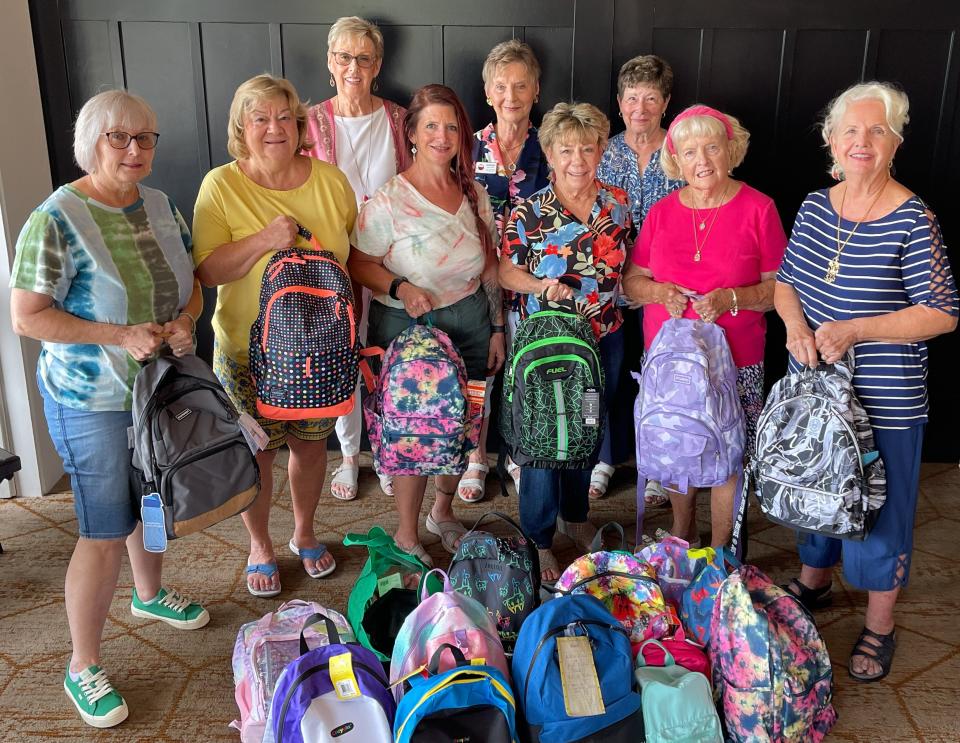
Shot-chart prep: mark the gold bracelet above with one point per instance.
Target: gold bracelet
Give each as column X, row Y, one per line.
column 735, row 309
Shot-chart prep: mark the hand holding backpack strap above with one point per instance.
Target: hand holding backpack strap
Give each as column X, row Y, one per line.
column 332, row 634
column 434, row 666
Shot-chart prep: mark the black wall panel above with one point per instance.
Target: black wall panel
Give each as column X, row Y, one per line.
column 774, row 65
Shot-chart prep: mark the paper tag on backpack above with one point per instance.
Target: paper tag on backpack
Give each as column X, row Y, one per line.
column 590, row 406
column 256, row 437
column 477, row 392
column 388, row 582
column 341, row 674
column 578, row 676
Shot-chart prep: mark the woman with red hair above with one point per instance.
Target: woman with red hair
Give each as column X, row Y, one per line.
column 425, row 244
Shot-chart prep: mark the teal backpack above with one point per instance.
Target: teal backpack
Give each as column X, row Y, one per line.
column 677, row 703
column 552, row 407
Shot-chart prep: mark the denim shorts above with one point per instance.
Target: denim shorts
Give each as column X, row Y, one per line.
column 93, row 447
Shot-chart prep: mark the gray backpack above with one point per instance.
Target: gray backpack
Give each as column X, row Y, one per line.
column 188, row 445
column 815, row 464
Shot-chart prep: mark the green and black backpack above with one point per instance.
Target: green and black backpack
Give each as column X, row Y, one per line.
column 552, row 409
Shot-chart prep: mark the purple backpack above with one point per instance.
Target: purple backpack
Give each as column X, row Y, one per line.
column 771, row 671
column 420, row 418
column 321, row 696
column 690, row 427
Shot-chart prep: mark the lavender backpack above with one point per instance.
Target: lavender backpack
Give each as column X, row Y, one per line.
column 444, row 618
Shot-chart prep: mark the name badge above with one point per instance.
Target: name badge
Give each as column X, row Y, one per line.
column 486, row 168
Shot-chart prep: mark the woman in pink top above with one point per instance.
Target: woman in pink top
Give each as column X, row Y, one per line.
column 722, row 241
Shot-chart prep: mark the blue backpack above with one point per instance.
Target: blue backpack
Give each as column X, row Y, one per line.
column 537, row 678
column 471, row 701
column 307, row 704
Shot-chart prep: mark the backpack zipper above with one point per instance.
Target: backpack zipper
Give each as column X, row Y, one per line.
column 326, row 293
column 208, row 451
column 550, row 341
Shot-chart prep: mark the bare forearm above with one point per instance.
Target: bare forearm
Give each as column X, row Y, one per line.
column 370, row 274
column 788, row 306
column 643, row 290
column 758, row 297
column 910, row 325
column 517, row 279
column 194, row 305
column 491, row 288
column 233, row 261
column 56, row 326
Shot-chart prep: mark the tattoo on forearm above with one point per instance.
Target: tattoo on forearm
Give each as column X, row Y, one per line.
column 491, row 287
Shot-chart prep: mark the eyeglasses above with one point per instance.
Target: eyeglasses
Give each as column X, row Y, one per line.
column 121, row 140
column 363, row 60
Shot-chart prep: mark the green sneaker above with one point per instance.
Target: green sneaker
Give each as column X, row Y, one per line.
column 172, row 608
column 95, row 699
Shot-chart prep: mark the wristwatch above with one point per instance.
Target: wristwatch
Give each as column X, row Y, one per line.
column 395, row 285
column 498, row 329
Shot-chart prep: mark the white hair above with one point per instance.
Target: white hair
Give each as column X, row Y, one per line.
column 103, row 112
column 896, row 107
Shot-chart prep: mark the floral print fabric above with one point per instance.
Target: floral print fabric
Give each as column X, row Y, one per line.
column 551, row 242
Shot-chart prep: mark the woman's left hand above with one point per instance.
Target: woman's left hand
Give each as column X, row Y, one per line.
column 834, row 338
column 179, row 335
column 713, row 304
column 496, row 353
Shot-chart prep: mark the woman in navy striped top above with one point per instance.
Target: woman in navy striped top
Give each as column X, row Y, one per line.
column 866, row 269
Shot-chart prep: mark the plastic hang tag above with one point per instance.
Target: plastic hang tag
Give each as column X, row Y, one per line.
column 388, row 582
column 256, row 437
column 341, row 674
column 578, row 676
column 154, row 523
column 591, row 407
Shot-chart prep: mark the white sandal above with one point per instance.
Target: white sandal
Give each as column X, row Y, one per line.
column 514, row 470
column 471, row 484
column 347, row 476
column 599, row 480
column 386, row 484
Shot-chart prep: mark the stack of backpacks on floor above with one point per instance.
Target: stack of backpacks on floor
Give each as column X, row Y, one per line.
column 670, row 644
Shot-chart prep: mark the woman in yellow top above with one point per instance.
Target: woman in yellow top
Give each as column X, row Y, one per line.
column 245, row 211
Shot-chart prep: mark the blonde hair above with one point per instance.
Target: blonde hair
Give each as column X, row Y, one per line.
column 249, row 94
column 355, row 27
column 705, row 126
column 508, row 52
column 647, row 68
column 584, row 121
column 896, row 107
column 111, row 108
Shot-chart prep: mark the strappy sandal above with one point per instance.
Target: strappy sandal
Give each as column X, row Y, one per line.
column 514, row 470
column 386, row 484
column 881, row 653
column 473, row 485
column 600, row 480
column 811, row 598
column 345, row 475
column 448, row 531
column 654, row 495
column 548, row 561
column 417, row 551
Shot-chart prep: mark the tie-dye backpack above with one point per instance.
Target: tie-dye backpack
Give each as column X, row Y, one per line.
column 420, row 418
column 444, row 618
column 628, row 588
column 771, row 670
column 690, row 427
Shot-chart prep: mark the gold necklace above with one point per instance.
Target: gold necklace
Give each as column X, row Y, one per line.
column 712, row 218
column 504, row 153
column 833, row 267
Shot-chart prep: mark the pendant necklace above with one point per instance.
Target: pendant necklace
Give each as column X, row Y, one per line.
column 353, row 153
column 512, row 167
column 833, row 267
column 701, row 224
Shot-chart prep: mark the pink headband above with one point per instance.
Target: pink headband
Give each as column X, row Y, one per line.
column 697, row 111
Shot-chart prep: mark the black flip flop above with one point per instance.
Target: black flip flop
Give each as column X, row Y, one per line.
column 882, row 654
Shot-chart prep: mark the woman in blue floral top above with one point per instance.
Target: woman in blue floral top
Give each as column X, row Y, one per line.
column 509, row 163
column 575, row 228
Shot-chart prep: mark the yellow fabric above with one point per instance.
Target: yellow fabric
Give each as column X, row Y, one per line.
column 231, row 207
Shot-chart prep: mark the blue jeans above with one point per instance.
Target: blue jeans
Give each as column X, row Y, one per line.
column 546, row 493
column 93, row 447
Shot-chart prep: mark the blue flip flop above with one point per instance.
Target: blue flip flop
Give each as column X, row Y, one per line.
column 268, row 569
column 313, row 553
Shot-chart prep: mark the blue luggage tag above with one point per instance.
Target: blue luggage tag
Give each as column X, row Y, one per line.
column 869, row 458
column 154, row 524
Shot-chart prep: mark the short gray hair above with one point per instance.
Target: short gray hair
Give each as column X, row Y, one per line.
column 584, row 120
column 111, row 108
column 352, row 26
column 704, row 126
column 508, row 52
column 896, row 107
column 647, row 68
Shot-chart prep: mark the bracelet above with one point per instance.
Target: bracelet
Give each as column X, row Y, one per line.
column 498, row 329
column 735, row 309
column 193, row 320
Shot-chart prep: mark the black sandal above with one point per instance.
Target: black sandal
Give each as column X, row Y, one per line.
column 811, row 598
column 881, row 653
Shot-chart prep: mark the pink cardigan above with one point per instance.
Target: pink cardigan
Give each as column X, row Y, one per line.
column 322, row 131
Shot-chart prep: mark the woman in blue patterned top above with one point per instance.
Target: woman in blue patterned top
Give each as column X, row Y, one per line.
column 866, row 269
column 509, row 163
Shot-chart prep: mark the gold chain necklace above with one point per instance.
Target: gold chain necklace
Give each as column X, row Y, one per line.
column 833, row 267
column 712, row 218
column 504, row 150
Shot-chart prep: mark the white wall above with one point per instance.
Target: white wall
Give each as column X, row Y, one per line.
column 24, row 183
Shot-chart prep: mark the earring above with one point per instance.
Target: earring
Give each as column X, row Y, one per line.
column 836, row 173
column 489, row 102
column 620, row 114
column 536, row 99
column 376, row 84
column 332, row 83
column 890, row 165
column 413, row 150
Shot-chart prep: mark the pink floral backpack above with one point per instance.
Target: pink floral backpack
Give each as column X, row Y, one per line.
column 420, row 418
column 263, row 649
column 445, row 617
column 771, row 670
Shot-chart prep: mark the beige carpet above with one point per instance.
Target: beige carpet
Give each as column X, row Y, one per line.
column 179, row 685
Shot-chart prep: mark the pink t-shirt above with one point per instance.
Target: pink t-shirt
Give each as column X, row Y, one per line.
column 746, row 240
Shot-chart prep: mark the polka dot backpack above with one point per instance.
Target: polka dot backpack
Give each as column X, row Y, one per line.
column 304, row 349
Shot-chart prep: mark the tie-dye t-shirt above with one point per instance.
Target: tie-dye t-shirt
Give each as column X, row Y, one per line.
column 437, row 251
column 122, row 266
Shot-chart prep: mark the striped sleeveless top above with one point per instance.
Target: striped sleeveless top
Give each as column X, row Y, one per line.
column 889, row 264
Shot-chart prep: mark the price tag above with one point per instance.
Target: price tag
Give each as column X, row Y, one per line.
column 388, row 582
column 590, row 407
column 578, row 676
column 344, row 681
column 256, row 437
column 477, row 392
